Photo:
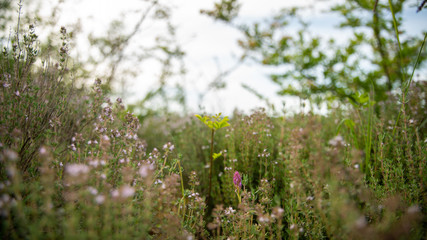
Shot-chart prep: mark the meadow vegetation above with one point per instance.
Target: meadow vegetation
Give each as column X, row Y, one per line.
column 75, row 164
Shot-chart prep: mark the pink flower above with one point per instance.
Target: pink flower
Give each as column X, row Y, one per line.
column 237, row 179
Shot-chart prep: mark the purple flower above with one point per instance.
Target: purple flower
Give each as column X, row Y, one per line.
column 237, row 179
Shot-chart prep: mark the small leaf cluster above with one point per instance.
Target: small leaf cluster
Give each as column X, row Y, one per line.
column 214, row 122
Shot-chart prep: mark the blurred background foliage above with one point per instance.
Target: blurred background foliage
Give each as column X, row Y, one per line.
column 322, row 70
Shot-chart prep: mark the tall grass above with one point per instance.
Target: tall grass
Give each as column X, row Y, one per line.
column 74, row 165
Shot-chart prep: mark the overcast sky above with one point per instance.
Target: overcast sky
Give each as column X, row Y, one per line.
column 211, row 47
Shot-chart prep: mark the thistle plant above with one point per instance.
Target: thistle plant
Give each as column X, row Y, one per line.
column 214, row 123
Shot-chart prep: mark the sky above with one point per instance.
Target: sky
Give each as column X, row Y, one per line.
column 210, row 47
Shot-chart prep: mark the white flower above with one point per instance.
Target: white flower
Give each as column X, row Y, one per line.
column 105, row 138
column 144, row 170
column 100, row 199
column 115, row 193
column 361, row 222
column 413, row 209
column 337, row 140
column 263, row 219
column 73, row 147
column 42, row 150
column 127, row 191
column 229, row 211
column 76, row 169
column 310, row 198
column 92, row 190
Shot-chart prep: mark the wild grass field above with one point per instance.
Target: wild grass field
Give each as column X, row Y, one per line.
column 76, row 164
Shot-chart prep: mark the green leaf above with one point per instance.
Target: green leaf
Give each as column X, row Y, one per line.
column 216, row 155
column 216, row 122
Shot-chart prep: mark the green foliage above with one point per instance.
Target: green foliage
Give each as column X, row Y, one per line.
column 226, row 10
column 216, row 155
column 214, row 122
column 319, row 68
column 74, row 165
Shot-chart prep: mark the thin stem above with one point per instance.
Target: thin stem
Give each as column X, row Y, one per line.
column 405, row 92
column 182, row 180
column 210, row 167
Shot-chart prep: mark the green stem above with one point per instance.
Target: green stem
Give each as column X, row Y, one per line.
column 238, row 195
column 211, row 166
column 405, row 91
column 182, row 180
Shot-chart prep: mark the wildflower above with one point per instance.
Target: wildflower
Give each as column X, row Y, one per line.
column 413, row 209
column 229, row 211
column 73, row 147
column 127, row 191
column 17, row 93
column 76, row 169
column 237, row 179
column 42, row 151
column 92, row 190
column 115, row 193
column 361, row 222
column 337, row 141
column 105, row 138
column 277, row 212
column 100, row 199
column 263, row 219
column 11, row 155
column 145, row 170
